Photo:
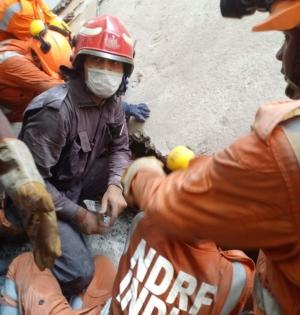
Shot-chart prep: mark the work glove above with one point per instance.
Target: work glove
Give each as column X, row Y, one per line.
column 143, row 163
column 21, row 180
column 139, row 111
column 90, row 222
column 39, row 219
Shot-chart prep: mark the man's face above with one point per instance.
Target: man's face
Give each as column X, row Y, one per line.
column 101, row 63
column 289, row 54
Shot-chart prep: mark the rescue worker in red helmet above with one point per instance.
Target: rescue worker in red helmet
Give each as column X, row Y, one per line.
column 248, row 195
column 20, row 179
column 32, row 66
column 78, row 137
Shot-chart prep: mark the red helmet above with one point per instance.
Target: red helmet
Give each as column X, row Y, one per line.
column 105, row 36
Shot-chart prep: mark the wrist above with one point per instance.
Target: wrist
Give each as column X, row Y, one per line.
column 79, row 216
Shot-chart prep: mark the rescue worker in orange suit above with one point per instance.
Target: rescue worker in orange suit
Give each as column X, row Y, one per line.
column 16, row 17
column 20, row 179
column 248, row 195
column 157, row 274
column 78, row 137
column 28, row 68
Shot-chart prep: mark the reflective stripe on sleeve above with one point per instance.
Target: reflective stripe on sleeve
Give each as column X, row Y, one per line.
column 8, row 54
column 264, row 299
column 10, row 11
column 106, row 308
column 10, row 289
column 8, row 310
column 238, row 282
column 76, row 303
column 291, row 128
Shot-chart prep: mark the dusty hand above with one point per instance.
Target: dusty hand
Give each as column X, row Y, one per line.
column 151, row 163
column 90, row 222
column 113, row 203
column 40, row 222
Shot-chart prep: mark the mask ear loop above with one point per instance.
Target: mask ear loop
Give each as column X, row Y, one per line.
column 124, row 83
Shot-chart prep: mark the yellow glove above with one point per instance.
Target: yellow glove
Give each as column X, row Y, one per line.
column 40, row 222
column 151, row 163
column 21, row 180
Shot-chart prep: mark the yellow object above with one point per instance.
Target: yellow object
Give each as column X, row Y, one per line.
column 179, row 158
column 37, row 27
column 59, row 23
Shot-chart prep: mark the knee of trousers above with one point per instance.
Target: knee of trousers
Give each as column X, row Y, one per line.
column 80, row 277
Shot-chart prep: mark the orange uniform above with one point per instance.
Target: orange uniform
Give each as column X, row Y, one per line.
column 161, row 275
column 17, row 15
column 246, row 196
column 29, row 291
column 20, row 79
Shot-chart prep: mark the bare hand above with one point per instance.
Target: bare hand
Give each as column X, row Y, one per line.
column 113, row 203
column 90, row 222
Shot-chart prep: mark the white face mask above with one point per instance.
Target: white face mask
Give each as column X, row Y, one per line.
column 103, row 83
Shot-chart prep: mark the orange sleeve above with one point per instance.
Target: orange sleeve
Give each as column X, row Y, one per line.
column 48, row 14
column 228, row 198
column 21, row 72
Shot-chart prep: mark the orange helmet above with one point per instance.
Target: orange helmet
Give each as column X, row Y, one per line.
column 284, row 15
column 105, row 37
column 53, row 50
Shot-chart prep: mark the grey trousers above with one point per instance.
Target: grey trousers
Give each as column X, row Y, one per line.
column 74, row 269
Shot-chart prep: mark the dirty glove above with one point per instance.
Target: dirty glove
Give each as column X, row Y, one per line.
column 90, row 222
column 21, row 180
column 151, row 163
column 139, row 111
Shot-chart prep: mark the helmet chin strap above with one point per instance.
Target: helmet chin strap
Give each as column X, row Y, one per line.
column 123, row 86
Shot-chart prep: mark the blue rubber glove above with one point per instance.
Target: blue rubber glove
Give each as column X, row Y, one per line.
column 139, row 111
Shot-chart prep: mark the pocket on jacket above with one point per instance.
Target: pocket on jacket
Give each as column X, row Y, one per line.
column 116, row 129
column 79, row 153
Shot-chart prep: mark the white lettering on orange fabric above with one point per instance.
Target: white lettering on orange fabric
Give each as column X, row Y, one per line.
column 151, row 278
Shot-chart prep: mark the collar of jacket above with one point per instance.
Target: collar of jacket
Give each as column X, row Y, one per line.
column 82, row 96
